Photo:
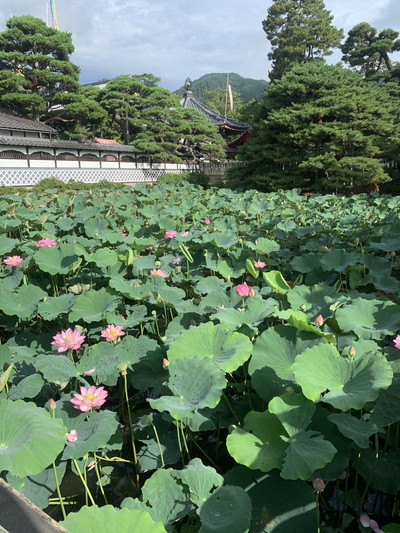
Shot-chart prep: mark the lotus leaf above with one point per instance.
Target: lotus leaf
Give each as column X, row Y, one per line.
column 93, row 305
column 369, row 319
column 23, row 302
column 105, row 519
column 55, row 306
column 353, row 428
column 276, row 281
column 7, row 245
column 227, row 350
column 29, row 439
column 28, row 387
column 350, row 383
column 55, row 368
column 200, row 479
column 195, row 383
column 56, row 260
column 227, row 510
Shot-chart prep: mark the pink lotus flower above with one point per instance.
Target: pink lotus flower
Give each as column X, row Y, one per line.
column 366, row 521
column 111, row 333
column 318, row 484
column 158, row 272
column 243, row 289
column 89, row 398
column 13, row 260
column 72, row 436
column 170, row 234
column 46, row 242
column 207, row 221
column 185, row 234
column 177, row 261
column 396, row 342
column 68, row 340
column 42, row 205
column 260, row 264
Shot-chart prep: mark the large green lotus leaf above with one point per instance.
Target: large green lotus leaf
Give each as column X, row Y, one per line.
column 94, row 227
column 224, row 240
column 131, row 350
column 301, row 322
column 258, row 445
column 195, row 383
column 306, row 263
column 382, row 471
column 138, row 314
column 351, row 383
column 132, row 289
column 200, row 479
column 227, row 350
column 316, row 299
column 94, row 433
column 254, row 314
column 55, row 368
column 307, row 452
column 279, row 505
column 29, row 438
column 106, row 519
column 293, row 410
column 339, row 260
column 57, row 259
column 369, row 319
column 273, row 355
column 55, row 306
column 163, row 292
column 166, row 499
column 227, row 510
column 28, row 387
column 23, row 302
column 92, row 305
column 104, row 257
column 103, row 358
column 265, row 246
column 386, row 410
column 39, row 488
column 7, row 245
column 11, row 281
column 211, row 284
column 276, row 281
column 353, row 428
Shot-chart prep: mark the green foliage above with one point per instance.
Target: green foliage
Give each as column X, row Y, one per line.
column 367, row 51
column 313, row 131
column 247, row 88
column 218, row 101
column 299, row 31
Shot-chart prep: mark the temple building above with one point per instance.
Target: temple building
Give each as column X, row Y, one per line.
column 235, row 133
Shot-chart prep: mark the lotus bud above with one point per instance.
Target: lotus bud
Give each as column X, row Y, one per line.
column 352, row 351
column 72, row 436
column 123, row 369
column 303, row 308
column 252, row 292
column 89, row 372
column 393, row 253
column 157, row 263
column 52, row 404
column 357, row 241
column 318, row 484
column 165, row 363
column 319, row 321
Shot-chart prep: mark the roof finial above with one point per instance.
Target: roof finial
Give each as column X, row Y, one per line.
column 188, row 85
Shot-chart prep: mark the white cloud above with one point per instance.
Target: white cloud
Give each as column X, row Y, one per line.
column 174, row 39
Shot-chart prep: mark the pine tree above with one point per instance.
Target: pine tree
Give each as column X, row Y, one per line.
column 299, row 31
column 322, row 128
column 153, row 121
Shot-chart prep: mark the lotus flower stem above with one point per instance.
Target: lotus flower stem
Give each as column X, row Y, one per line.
column 231, row 408
column 131, row 427
column 84, row 482
column 364, row 494
column 96, row 468
column 184, row 439
column 60, row 499
column 179, row 442
column 206, row 455
column 159, row 444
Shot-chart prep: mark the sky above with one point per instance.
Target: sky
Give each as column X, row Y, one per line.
column 176, row 39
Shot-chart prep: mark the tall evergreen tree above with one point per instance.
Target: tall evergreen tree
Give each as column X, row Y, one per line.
column 322, row 128
column 299, row 31
column 153, row 121
column 368, row 51
column 38, row 80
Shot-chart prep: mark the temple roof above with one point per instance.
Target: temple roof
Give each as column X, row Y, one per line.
column 72, row 145
column 9, row 121
column 229, row 125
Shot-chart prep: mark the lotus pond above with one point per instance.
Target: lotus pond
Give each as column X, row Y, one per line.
column 174, row 359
